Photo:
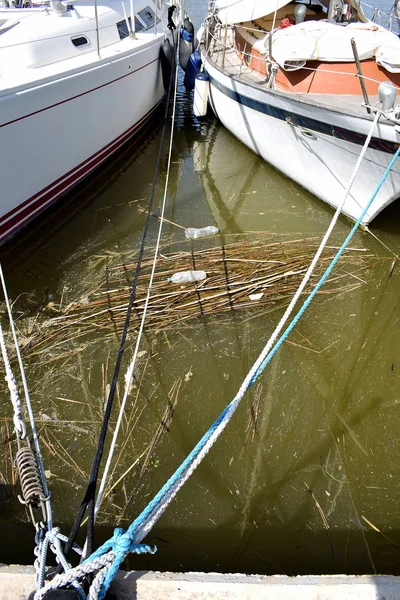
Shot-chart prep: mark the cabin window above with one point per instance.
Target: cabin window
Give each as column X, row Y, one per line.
column 80, row 40
column 123, row 29
column 144, row 19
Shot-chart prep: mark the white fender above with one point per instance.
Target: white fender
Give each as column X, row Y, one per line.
column 201, row 91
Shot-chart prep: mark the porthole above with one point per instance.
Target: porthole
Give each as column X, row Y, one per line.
column 80, row 40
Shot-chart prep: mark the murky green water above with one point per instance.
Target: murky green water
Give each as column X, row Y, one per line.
column 299, row 491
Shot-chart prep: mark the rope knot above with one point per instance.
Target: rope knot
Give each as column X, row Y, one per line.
column 121, row 541
column 124, row 542
column 52, row 534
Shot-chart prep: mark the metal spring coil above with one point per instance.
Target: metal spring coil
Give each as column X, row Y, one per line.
column 31, row 485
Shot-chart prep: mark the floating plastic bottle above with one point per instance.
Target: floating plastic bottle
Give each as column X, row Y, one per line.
column 188, row 277
column 192, row 233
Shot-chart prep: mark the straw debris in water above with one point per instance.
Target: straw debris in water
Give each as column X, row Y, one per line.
column 245, row 274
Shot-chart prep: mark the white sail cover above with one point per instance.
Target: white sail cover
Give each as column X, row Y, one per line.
column 238, row 11
column 293, row 46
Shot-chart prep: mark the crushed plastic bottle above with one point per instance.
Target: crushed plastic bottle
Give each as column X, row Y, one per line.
column 188, row 277
column 192, row 233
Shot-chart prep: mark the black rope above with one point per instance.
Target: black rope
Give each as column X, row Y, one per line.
column 88, row 501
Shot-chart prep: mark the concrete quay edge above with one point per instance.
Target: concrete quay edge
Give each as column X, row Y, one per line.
column 16, row 583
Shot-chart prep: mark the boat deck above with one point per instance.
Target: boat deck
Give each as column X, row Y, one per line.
column 343, row 103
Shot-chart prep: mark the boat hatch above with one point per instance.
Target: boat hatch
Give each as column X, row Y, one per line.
column 147, row 16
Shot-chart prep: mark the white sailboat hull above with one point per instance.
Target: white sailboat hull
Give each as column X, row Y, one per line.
column 316, row 147
column 55, row 134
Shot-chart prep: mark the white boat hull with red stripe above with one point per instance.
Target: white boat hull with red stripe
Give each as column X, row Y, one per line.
column 58, row 128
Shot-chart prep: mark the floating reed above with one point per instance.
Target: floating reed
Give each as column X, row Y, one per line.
column 235, row 273
column 56, row 436
column 249, row 265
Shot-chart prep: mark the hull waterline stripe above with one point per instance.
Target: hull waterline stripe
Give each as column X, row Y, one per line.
column 17, row 218
column 65, row 176
column 302, row 121
column 36, row 112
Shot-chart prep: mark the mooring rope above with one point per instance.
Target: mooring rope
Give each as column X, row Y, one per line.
column 46, row 535
column 28, row 402
column 132, row 364
column 89, row 497
column 111, row 554
column 18, row 419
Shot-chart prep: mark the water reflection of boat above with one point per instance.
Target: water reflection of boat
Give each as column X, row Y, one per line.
column 225, row 182
column 294, row 96
column 246, row 193
column 70, row 76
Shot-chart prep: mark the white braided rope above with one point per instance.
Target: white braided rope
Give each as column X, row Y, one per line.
column 38, row 564
column 97, row 583
column 76, row 573
column 53, row 539
column 28, row 403
column 18, row 418
column 58, row 551
column 75, row 547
